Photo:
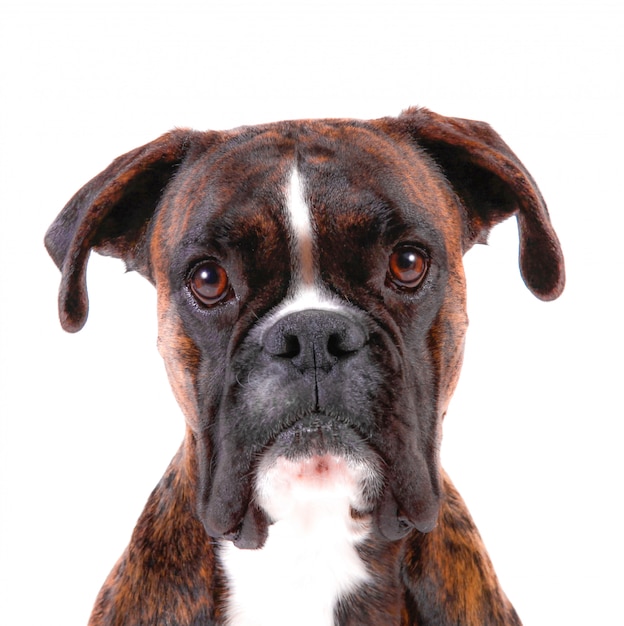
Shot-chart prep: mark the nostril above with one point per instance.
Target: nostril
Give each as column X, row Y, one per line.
column 336, row 345
column 291, row 347
column 282, row 344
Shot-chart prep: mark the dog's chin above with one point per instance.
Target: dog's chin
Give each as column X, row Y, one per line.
column 318, row 462
column 317, row 465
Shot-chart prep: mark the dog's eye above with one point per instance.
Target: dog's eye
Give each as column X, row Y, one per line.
column 209, row 283
column 408, row 266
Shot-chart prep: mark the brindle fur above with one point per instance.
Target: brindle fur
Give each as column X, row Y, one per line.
column 170, row 574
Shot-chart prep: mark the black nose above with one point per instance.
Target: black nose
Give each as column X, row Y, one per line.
column 314, row 339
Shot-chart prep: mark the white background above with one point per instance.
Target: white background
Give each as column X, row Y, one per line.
column 533, row 439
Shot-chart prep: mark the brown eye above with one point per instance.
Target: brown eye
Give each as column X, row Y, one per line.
column 209, row 283
column 408, row 266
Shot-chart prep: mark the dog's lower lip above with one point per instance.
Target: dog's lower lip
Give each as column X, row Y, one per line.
column 317, row 434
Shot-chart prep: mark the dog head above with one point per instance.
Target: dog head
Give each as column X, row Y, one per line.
column 311, row 293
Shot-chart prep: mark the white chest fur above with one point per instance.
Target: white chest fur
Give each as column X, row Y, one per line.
column 309, row 560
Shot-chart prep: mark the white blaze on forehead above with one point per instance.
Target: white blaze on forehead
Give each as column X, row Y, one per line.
column 302, row 298
column 302, row 232
column 310, row 297
column 306, row 290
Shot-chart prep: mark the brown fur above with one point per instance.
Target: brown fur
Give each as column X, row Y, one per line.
column 169, row 574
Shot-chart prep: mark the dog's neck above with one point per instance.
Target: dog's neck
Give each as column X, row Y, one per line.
column 317, row 566
column 171, row 553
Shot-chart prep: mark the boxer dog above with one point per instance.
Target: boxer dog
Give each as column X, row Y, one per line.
column 312, row 312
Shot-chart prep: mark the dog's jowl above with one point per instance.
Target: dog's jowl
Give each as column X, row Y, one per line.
column 312, row 314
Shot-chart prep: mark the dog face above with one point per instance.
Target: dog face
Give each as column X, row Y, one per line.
column 300, row 350
column 311, row 296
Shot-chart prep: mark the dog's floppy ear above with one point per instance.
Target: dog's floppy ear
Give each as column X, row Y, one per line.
column 110, row 214
column 493, row 185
